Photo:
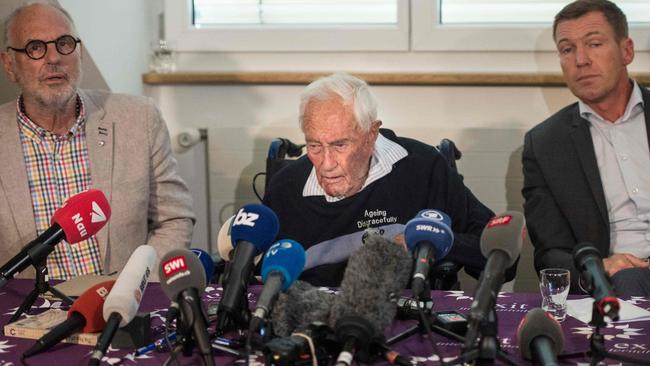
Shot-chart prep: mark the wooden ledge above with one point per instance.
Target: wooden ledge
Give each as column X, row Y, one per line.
column 430, row 79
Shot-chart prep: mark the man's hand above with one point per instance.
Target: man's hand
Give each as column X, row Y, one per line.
column 619, row 261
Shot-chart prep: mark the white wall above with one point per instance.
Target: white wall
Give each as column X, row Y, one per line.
column 118, row 34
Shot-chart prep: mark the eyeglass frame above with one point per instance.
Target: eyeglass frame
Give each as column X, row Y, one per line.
column 24, row 50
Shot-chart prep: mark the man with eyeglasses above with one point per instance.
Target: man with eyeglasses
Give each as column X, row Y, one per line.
column 357, row 177
column 57, row 140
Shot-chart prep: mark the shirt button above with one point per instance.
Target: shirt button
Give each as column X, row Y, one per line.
column 101, row 143
column 624, row 157
column 635, row 190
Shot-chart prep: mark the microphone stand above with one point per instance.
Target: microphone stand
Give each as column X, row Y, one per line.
column 597, row 350
column 41, row 286
column 420, row 327
column 487, row 347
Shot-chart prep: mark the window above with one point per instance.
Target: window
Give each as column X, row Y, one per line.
column 524, row 11
column 288, row 25
column 375, row 25
column 503, row 25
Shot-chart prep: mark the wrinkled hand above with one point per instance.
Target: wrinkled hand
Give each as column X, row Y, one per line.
column 619, row 261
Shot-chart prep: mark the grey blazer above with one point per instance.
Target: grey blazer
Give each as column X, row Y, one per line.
column 130, row 161
column 564, row 197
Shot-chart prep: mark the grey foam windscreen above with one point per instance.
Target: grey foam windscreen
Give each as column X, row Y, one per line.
column 374, row 278
column 504, row 232
column 299, row 306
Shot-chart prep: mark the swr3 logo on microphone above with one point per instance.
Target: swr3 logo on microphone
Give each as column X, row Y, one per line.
column 245, row 218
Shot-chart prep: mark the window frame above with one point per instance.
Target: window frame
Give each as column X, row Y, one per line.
column 180, row 33
column 427, row 34
column 417, row 30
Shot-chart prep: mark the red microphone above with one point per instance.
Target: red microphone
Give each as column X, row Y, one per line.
column 80, row 217
column 85, row 315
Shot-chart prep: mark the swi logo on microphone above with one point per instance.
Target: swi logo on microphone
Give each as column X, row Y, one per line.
column 245, row 218
column 174, row 265
column 499, row 220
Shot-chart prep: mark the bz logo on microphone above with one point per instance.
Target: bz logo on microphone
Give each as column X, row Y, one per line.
column 245, row 218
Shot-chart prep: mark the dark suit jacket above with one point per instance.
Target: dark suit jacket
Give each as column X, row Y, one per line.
column 564, row 198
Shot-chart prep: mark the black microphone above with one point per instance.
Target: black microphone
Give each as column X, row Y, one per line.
column 540, row 337
column 429, row 237
column 501, row 243
column 253, row 230
column 367, row 301
column 183, row 280
column 588, row 260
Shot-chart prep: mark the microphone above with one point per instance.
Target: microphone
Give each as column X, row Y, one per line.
column 501, row 242
column 182, row 278
column 80, row 217
column 206, row 261
column 283, row 263
column 587, row 258
column 123, row 301
column 253, row 230
column 301, row 305
column 85, row 314
column 224, row 240
column 540, row 337
column 367, row 301
column 429, row 237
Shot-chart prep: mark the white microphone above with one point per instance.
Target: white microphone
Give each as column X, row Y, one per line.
column 123, row 301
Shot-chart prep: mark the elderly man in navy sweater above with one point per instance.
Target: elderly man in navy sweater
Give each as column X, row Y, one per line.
column 357, row 176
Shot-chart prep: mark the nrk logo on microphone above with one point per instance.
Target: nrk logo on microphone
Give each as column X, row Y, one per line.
column 245, row 218
column 175, row 268
column 499, row 220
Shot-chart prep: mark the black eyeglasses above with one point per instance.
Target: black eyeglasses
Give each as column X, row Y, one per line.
column 37, row 49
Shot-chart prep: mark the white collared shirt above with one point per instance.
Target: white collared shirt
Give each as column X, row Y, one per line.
column 623, row 160
column 385, row 154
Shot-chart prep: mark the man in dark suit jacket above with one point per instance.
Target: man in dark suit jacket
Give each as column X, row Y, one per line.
column 587, row 168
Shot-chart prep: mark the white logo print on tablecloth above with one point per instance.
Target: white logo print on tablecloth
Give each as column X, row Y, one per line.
column 620, row 331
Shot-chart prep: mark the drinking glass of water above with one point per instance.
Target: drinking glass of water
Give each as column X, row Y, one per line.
column 554, row 285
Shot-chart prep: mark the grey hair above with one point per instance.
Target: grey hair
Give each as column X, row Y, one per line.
column 352, row 91
column 8, row 22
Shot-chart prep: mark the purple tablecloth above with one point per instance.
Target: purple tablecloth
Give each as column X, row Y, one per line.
column 630, row 339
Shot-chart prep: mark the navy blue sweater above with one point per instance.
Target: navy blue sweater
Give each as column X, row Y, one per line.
column 330, row 231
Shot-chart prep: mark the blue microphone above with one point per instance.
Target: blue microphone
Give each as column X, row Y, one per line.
column 253, row 230
column 283, row 263
column 206, row 261
column 430, row 238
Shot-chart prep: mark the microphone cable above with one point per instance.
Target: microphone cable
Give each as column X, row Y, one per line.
column 172, row 314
